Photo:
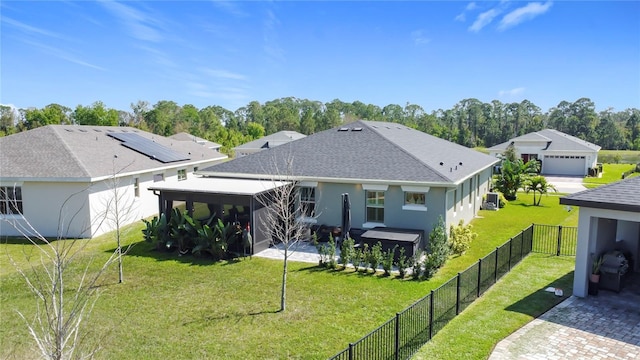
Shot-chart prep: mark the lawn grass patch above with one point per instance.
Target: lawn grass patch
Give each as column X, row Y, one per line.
column 610, row 173
column 513, row 301
column 185, row 307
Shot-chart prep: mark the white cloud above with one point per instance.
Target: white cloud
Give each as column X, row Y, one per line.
column 29, row 29
column 271, row 45
column 462, row 17
column 224, row 74
column 527, row 12
column 419, row 37
column 141, row 26
column 484, row 19
column 230, row 7
column 64, row 55
column 471, row 6
column 511, row 93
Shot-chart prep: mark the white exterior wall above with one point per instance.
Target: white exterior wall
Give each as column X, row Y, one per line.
column 468, row 201
column 589, row 245
column 52, row 209
column 83, row 209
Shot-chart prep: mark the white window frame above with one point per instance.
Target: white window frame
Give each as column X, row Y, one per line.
column 182, row 174
column 8, row 203
column 310, row 201
column 373, row 223
column 416, row 190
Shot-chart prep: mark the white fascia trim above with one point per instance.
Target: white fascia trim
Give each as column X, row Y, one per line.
column 371, row 225
column 308, row 184
column 375, row 187
column 413, row 207
column 11, row 183
column 415, row 189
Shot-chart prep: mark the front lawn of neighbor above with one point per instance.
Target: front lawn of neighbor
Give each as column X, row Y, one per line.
column 181, row 307
column 610, row 173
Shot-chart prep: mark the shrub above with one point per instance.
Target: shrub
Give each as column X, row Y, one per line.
column 403, row 263
column 416, row 265
column 430, row 266
column 461, row 237
column 439, row 244
column 375, row 256
column 387, row 260
column 347, row 251
column 357, row 255
column 362, row 259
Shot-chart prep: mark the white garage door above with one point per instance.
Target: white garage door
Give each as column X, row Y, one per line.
column 563, row 165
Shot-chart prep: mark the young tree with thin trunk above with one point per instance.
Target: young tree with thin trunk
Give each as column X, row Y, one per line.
column 118, row 209
column 283, row 222
column 65, row 286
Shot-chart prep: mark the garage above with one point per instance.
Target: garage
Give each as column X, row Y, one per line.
column 564, row 165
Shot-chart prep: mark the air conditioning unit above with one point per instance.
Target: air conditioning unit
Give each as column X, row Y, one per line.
column 492, row 202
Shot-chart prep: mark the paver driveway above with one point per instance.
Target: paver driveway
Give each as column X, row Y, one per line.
column 606, row 326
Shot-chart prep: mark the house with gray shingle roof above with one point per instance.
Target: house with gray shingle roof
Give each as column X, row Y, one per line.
column 558, row 153
column 396, row 177
column 609, row 219
column 59, row 177
column 267, row 142
column 184, row 136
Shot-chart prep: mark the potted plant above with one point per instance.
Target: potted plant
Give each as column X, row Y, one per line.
column 595, row 269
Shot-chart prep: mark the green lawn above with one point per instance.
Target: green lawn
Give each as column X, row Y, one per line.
column 513, row 301
column 181, row 307
column 610, row 173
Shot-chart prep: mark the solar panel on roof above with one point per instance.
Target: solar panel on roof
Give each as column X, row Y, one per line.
column 149, row 147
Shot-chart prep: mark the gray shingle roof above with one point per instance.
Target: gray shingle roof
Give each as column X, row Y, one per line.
column 378, row 151
column 622, row 195
column 559, row 141
column 184, row 136
column 58, row 152
column 270, row 141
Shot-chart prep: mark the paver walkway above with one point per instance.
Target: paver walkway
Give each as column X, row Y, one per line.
column 606, row 326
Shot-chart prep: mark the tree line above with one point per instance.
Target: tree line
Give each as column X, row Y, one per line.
column 470, row 122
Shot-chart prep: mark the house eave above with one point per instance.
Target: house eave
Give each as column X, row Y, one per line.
column 600, row 205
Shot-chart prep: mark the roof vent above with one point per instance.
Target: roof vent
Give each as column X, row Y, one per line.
column 441, row 163
column 460, row 163
column 343, row 129
column 357, row 129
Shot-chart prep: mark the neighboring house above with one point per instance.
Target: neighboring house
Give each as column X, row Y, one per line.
column 60, row 176
column 559, row 153
column 396, row 177
column 609, row 220
column 183, row 136
column 267, row 142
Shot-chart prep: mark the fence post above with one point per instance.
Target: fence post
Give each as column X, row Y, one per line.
column 397, row 340
column 458, row 295
column 431, row 315
column 510, row 252
column 559, row 240
column 495, row 271
column 350, row 351
column 479, row 276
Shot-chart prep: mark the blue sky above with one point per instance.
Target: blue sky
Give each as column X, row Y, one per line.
column 429, row 53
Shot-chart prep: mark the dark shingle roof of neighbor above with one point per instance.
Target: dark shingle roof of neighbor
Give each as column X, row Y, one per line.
column 269, row 141
column 363, row 150
column 623, row 195
column 58, row 152
column 559, row 141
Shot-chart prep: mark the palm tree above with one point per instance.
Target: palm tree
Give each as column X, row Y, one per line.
column 538, row 184
column 514, row 175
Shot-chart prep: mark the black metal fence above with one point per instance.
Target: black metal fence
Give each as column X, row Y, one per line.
column 410, row 329
column 558, row 240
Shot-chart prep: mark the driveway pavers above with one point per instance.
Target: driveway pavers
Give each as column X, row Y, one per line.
column 566, row 184
column 606, row 326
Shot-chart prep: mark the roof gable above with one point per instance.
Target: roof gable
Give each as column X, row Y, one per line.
column 365, row 150
column 558, row 141
column 272, row 140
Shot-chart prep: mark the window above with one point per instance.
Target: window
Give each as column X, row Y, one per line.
column 158, row 177
column 308, row 201
column 136, row 187
column 182, row 174
column 375, row 206
column 10, row 200
column 413, row 198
